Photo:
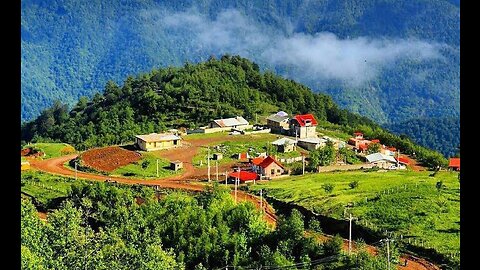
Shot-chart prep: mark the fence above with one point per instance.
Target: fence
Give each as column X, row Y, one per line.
column 289, row 160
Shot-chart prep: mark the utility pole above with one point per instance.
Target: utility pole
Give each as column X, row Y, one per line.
column 261, row 200
column 236, row 181
column 157, row 167
column 303, row 164
column 350, row 236
column 388, row 253
column 208, row 163
column 226, row 177
column 75, row 170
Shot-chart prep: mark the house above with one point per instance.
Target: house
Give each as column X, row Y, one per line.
column 155, row 141
column 358, row 135
column 217, row 156
column 454, row 164
column 336, row 142
column 278, row 122
column 243, row 176
column 311, row 143
column 388, row 150
column 237, row 122
column 269, row 168
column 303, row 126
column 243, row 155
column 255, row 163
column 176, row 165
column 285, row 145
column 381, row 160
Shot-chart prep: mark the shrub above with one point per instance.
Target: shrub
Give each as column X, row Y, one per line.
column 328, row 187
column 353, row 184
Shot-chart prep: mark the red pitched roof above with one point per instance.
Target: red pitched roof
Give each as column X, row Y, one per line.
column 243, row 175
column 269, row 160
column 375, row 141
column 403, row 160
column 363, row 147
column 302, row 118
column 357, row 133
column 257, row 160
column 393, row 149
column 454, row 162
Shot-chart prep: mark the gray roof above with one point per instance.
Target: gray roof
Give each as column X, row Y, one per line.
column 282, row 141
column 277, row 118
column 313, row 140
column 380, row 157
column 230, row 122
column 155, row 137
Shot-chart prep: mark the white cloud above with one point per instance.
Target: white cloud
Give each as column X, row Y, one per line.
column 322, row 56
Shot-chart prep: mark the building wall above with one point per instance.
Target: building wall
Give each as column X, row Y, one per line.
column 267, row 172
column 152, row 146
column 309, row 146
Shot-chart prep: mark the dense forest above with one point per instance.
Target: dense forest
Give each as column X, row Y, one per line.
column 441, row 134
column 102, row 226
column 192, row 96
column 71, row 50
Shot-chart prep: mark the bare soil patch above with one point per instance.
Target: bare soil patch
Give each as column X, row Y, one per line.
column 109, row 158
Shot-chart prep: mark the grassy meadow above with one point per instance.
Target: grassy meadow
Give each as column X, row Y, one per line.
column 135, row 170
column 53, row 150
column 405, row 202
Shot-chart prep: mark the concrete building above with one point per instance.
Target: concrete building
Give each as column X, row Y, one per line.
column 156, row 141
column 303, row 126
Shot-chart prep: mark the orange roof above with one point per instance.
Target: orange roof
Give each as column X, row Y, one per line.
column 269, row 160
column 363, row 147
column 392, row 148
column 257, row 160
column 454, row 162
column 403, row 160
column 375, row 141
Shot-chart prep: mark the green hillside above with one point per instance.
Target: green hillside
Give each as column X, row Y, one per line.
column 192, row 96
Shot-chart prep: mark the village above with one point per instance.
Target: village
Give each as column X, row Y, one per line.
column 291, row 141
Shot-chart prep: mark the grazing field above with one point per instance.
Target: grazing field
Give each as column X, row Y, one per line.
column 53, row 150
column 254, row 143
column 406, row 202
column 136, row 170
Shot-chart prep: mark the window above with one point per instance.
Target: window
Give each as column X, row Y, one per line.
column 273, row 171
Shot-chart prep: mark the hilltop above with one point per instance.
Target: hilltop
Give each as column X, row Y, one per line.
column 192, row 96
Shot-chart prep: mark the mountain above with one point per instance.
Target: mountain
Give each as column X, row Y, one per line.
column 388, row 60
column 193, row 95
column 441, row 134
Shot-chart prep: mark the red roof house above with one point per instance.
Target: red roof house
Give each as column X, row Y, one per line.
column 244, row 176
column 454, row 164
column 257, row 160
column 306, row 120
column 270, row 167
column 375, row 141
column 303, row 126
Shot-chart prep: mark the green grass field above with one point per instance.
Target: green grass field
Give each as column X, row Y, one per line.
column 45, row 187
column 243, row 143
column 135, row 170
column 52, row 150
column 405, row 202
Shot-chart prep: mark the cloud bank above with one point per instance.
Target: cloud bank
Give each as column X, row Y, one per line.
column 322, row 56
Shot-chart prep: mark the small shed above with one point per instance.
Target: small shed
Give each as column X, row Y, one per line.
column 176, row 165
column 217, row 156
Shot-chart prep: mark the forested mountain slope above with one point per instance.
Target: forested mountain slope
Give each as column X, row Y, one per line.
column 192, row 96
column 388, row 60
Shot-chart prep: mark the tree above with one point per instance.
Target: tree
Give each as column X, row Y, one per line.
column 328, row 187
column 314, row 225
column 439, row 185
column 333, row 246
column 373, row 148
column 353, row 184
